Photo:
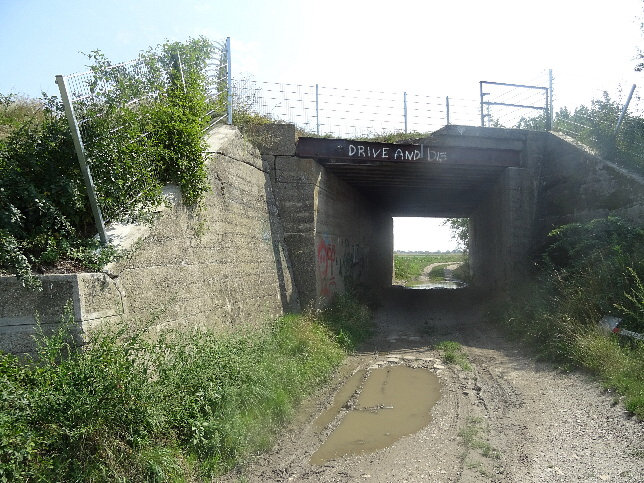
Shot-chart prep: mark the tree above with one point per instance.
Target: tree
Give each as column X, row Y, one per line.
column 460, row 231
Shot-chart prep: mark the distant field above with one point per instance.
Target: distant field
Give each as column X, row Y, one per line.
column 410, row 266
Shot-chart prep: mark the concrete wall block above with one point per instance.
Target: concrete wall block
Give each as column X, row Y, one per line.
column 94, row 299
column 273, row 139
column 227, row 141
column 290, row 169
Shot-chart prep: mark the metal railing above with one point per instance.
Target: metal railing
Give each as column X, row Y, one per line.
column 514, row 102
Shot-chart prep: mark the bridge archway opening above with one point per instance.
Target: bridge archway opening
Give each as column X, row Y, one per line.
column 427, row 254
column 483, row 175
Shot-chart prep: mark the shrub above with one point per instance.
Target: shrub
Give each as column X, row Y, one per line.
column 179, row 406
column 142, row 129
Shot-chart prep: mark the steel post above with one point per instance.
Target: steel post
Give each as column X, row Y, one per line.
column 82, row 159
column 317, row 108
column 229, row 82
column 405, row 109
column 624, row 109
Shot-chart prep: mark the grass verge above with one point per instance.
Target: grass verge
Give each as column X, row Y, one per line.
column 181, row 407
column 410, row 267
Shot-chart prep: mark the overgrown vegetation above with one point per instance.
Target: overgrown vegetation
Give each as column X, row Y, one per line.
column 143, row 128
column 176, row 407
column 588, row 271
column 595, row 126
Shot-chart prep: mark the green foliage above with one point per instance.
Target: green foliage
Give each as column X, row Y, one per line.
column 44, row 216
column 348, row 319
column 167, row 407
column 395, row 137
column 143, row 128
column 588, row 270
column 535, row 123
column 594, row 266
column 146, row 127
column 594, row 126
column 460, row 231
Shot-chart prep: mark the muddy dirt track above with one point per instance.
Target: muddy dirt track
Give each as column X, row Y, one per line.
column 509, row 418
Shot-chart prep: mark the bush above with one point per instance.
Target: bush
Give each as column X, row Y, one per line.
column 142, row 129
column 179, row 407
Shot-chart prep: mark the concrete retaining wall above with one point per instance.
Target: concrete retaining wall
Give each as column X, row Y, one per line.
column 221, row 266
column 577, row 186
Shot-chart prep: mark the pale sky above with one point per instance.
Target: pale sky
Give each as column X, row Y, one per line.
column 422, row 234
column 444, row 47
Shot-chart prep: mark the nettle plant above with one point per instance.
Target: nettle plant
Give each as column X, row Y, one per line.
column 143, row 129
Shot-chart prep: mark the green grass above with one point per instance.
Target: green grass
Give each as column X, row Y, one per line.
column 181, row 407
column 410, row 267
column 473, row 437
column 452, row 353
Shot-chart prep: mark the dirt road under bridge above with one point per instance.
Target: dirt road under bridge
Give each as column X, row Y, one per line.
column 509, row 418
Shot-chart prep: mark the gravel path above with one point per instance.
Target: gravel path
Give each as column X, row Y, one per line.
column 508, row 418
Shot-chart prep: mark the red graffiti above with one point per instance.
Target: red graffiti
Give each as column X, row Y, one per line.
column 325, row 262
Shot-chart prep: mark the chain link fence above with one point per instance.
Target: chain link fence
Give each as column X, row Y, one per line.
column 340, row 112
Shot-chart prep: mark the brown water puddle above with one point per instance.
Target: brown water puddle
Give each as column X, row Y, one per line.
column 394, row 401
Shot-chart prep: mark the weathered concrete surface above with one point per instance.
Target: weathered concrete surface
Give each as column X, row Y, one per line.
column 577, row 186
column 336, row 238
column 220, row 266
column 90, row 298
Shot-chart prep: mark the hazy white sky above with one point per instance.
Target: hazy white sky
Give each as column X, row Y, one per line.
column 442, row 47
column 422, row 234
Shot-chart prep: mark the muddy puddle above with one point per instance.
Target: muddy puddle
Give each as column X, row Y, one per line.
column 452, row 284
column 394, row 401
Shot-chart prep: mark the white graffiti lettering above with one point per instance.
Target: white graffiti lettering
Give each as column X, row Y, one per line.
column 403, row 154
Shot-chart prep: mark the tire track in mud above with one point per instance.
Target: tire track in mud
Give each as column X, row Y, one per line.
column 508, row 419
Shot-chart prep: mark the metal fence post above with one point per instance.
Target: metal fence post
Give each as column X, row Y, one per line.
column 624, row 109
column 82, row 159
column 229, row 82
column 405, row 109
column 551, row 112
column 317, row 108
column 482, row 112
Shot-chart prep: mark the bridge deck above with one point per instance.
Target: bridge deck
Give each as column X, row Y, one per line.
column 431, row 178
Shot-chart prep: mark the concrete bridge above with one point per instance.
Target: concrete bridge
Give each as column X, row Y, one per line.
column 337, row 199
column 290, row 222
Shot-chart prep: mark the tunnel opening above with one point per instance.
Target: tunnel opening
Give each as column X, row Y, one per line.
column 430, row 253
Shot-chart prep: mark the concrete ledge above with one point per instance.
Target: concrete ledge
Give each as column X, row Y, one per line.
column 93, row 298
